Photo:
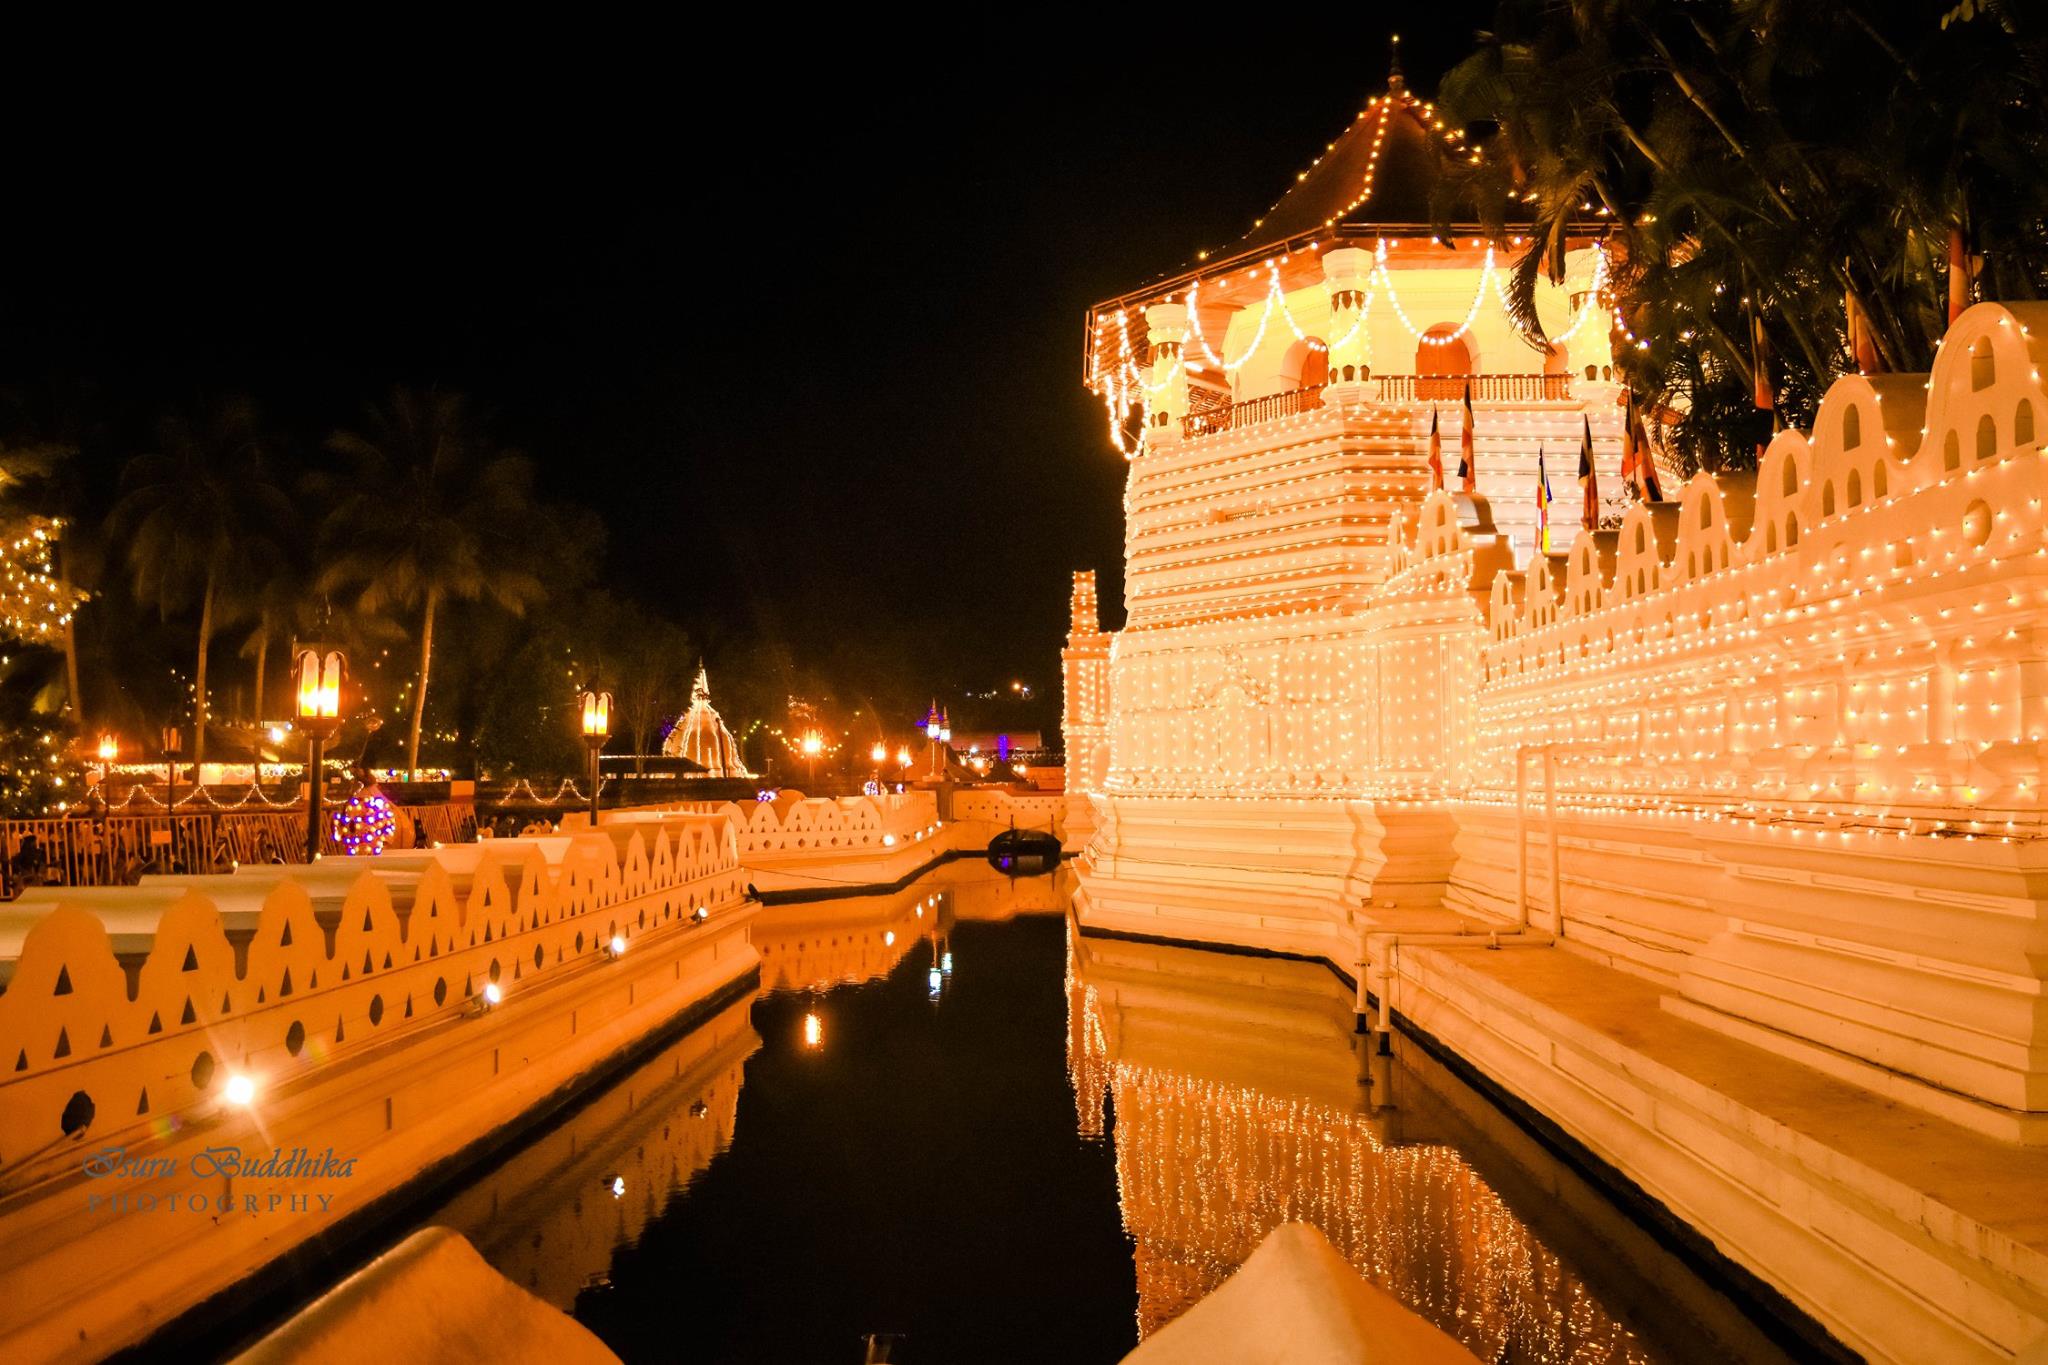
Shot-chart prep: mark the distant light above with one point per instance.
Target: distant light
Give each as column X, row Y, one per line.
column 241, row 1090
column 947, row 962
column 814, row 1031
column 935, row 981
column 277, row 734
column 700, row 914
column 618, row 945
column 888, row 938
column 492, row 994
column 888, row 841
column 617, row 1185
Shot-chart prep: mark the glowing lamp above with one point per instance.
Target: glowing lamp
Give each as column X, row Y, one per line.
column 903, row 756
column 597, row 714
column 617, row 945
column 492, row 993
column 812, row 745
column 814, row 1031
column 880, row 753
column 110, row 748
column 240, row 1090
column 320, row 672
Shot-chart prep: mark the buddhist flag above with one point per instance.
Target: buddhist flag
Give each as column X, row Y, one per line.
column 1436, row 454
column 1766, row 394
column 1959, row 270
column 1638, row 469
column 1468, row 469
column 1542, row 506
column 1589, row 483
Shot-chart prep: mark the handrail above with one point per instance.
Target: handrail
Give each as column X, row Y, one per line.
column 1386, row 388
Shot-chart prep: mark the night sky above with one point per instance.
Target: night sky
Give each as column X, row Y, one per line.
column 810, row 339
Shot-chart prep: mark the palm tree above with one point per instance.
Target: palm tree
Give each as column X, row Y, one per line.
column 201, row 517
column 432, row 513
column 1743, row 177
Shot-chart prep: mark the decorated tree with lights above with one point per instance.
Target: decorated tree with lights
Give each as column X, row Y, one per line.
column 37, row 773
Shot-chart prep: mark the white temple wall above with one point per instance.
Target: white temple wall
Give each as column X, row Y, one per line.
column 1798, row 738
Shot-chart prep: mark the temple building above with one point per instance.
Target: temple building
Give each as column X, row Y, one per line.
column 1307, row 363
column 1756, row 771
column 701, row 737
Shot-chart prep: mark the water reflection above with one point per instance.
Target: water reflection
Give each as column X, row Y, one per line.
column 1241, row 1098
column 552, row 1216
column 903, row 1158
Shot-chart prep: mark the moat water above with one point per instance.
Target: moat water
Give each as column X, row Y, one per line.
column 947, row 1120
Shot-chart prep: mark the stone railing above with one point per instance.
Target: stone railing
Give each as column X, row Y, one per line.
column 795, row 825
column 1385, row 388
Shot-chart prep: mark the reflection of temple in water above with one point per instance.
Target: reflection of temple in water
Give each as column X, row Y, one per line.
column 816, row 945
column 1242, row 1099
column 551, row 1216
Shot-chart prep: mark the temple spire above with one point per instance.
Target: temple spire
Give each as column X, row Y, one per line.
column 1395, row 81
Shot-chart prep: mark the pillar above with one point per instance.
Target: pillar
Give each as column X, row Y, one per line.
column 1347, row 274
column 1166, row 327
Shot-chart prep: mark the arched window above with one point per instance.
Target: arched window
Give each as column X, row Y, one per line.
column 1791, row 485
column 1791, row 532
column 1305, row 366
column 1852, row 428
column 1987, row 437
column 2023, row 424
column 1951, row 452
column 1855, row 487
column 1983, row 373
column 1442, row 362
column 1827, row 498
column 1878, row 479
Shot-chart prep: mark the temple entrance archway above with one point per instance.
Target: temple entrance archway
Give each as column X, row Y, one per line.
column 1443, row 360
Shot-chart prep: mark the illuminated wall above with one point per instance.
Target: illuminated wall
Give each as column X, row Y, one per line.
column 1797, row 721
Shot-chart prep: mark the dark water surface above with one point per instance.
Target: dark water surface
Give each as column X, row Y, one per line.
column 944, row 1119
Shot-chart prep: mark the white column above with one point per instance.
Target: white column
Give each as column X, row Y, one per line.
column 1166, row 326
column 1347, row 272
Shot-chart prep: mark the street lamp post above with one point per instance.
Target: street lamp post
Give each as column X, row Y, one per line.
column 597, row 727
column 813, row 745
column 173, row 745
column 880, row 755
column 109, row 750
column 320, row 670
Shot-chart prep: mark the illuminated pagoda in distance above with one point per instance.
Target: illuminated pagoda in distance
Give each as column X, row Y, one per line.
column 701, row 737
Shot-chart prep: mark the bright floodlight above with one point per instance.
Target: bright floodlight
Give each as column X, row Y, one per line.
column 492, row 995
column 618, row 945
column 241, row 1090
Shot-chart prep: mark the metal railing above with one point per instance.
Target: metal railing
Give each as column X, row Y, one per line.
column 84, row 849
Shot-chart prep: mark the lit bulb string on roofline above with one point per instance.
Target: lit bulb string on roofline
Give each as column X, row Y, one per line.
column 1382, row 278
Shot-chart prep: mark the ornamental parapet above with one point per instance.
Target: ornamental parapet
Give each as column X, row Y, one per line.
column 126, row 1009
column 1856, row 634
